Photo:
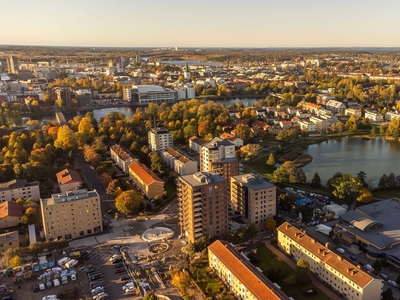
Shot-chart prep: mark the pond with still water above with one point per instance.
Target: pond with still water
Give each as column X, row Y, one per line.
column 351, row 155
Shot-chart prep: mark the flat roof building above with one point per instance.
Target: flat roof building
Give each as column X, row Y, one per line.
column 160, row 139
column 203, row 205
column 71, row 215
column 253, row 198
column 19, row 188
column 9, row 240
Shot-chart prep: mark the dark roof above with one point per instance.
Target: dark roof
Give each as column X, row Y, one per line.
column 10, row 208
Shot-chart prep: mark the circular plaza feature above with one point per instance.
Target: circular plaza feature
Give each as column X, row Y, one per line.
column 158, row 248
column 157, row 234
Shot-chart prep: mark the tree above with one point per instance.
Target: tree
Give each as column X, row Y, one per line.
column 243, row 131
column 250, row 151
column 271, row 160
column 302, row 271
column 31, row 216
column 377, row 265
column 365, row 196
column 270, row 224
column 316, row 180
column 362, row 176
column 181, row 280
column 16, row 261
column 150, row 296
column 387, row 295
column 65, row 139
column 301, row 176
column 252, row 230
column 128, row 202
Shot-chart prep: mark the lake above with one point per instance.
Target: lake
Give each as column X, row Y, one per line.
column 129, row 111
column 351, row 155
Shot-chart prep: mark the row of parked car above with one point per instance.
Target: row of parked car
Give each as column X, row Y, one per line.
column 96, row 283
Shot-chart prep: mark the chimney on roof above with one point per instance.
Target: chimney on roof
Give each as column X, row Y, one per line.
column 348, row 269
column 288, row 226
column 320, row 250
column 313, row 241
column 354, row 272
column 339, row 258
column 327, row 245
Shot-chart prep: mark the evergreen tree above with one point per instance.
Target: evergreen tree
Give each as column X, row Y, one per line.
column 316, row 181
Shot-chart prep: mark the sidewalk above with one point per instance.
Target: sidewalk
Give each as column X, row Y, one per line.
column 331, row 294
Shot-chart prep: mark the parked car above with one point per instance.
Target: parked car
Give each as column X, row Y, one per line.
column 115, row 256
column 352, row 257
column 7, row 297
column 130, row 289
column 368, row 267
column 92, row 269
column 99, row 296
column 35, row 289
column 125, row 278
column 119, row 265
column 383, row 276
column 97, row 290
column 121, row 270
column 310, row 292
column 95, row 284
column 50, row 297
column 95, row 277
column 395, row 284
column 117, row 260
column 341, row 250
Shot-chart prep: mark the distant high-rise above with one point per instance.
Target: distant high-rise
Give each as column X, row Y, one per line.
column 160, row 139
column 203, row 206
column 12, row 64
column 65, row 95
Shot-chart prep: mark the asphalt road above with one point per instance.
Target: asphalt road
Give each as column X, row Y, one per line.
column 94, row 182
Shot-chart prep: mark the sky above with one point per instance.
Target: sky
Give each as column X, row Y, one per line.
column 204, row 23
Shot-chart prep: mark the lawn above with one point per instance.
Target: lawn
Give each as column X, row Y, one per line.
column 208, row 283
column 387, row 194
column 268, row 260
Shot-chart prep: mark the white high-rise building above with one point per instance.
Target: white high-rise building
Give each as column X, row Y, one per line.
column 160, row 139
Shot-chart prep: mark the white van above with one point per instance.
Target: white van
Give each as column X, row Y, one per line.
column 63, row 261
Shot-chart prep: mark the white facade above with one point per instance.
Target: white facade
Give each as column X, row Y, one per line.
column 320, row 123
column 307, row 125
column 374, row 116
column 122, row 157
column 153, row 94
column 338, row 273
column 19, row 188
column 179, row 162
column 160, row 139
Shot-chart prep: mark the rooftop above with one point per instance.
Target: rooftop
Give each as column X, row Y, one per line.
column 68, row 176
column 202, row 178
column 122, row 152
column 69, row 197
column 16, row 184
column 159, row 130
column 9, row 237
column 377, row 223
column 10, row 208
column 259, row 285
column 322, row 253
column 144, row 173
column 148, row 88
column 178, row 155
column 253, row 182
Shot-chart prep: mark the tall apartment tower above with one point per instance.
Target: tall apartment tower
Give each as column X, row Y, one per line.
column 65, row 95
column 12, row 64
column 218, row 156
column 160, row 139
column 253, row 198
column 203, row 206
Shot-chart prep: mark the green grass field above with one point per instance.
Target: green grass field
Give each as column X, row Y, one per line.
column 208, row 283
column 269, row 260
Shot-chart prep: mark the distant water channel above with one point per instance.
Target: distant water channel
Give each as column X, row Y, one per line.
column 351, row 155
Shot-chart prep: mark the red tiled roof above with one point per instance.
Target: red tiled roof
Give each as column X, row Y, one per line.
column 144, row 173
column 259, row 285
column 68, row 176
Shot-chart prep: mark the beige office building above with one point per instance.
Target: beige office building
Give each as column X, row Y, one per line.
column 203, row 206
column 71, row 215
column 331, row 268
column 253, row 198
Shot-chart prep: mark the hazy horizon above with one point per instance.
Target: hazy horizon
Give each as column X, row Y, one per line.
column 213, row 24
